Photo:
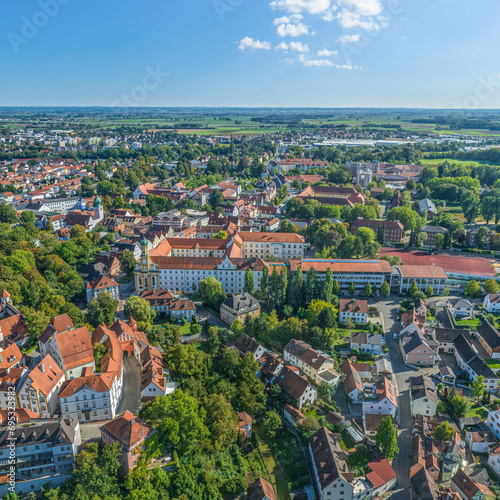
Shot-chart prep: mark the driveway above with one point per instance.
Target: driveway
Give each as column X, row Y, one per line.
column 401, row 464
column 131, row 392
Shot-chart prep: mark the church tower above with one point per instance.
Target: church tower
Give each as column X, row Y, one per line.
column 146, row 273
column 98, row 210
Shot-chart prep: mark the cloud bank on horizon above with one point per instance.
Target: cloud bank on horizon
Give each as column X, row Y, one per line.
column 359, row 15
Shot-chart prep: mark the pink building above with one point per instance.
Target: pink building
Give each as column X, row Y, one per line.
column 131, row 432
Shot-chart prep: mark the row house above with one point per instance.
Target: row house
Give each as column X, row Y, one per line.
column 70, row 348
column 45, row 450
column 317, row 366
column 469, row 361
column 38, row 392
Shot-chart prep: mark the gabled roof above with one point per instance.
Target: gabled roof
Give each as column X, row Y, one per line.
column 382, row 472
column 305, row 353
column 352, row 380
column 292, row 383
column 75, row 347
column 329, row 458
column 260, row 490
column 489, row 334
column 128, row 429
column 45, row 376
column 57, row 324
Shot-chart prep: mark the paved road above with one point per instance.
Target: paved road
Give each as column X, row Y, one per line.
column 131, row 393
column 402, row 374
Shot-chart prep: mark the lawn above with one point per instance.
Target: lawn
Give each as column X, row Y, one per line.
column 468, row 323
column 494, row 364
column 282, row 463
column 477, row 411
column 359, row 459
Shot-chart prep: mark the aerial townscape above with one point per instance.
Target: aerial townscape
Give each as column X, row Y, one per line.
column 250, row 250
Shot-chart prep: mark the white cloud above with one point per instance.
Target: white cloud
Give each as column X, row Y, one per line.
column 297, row 46
column 297, row 6
column 327, row 53
column 250, row 43
column 293, row 19
column 349, row 38
column 318, row 62
column 293, row 30
column 348, row 65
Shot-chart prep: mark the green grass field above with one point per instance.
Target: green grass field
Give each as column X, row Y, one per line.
column 494, row 364
column 469, row 163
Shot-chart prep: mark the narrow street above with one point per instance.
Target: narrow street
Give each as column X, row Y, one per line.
column 402, row 374
column 131, row 394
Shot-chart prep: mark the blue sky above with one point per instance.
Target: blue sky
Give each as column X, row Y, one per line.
column 276, row 53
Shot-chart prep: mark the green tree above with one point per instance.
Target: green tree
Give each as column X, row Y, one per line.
column 385, row 289
column 477, row 388
column 221, row 421
column 249, row 282
column 311, row 285
column 179, row 418
column 211, row 292
column 327, row 290
column 444, row 432
column 272, row 424
column 387, row 439
column 439, row 241
column 471, row 207
column 336, row 288
column 367, row 290
column 413, row 289
column 141, row 311
column 429, row 291
column 481, row 240
column 102, row 310
column 7, row 213
column 216, row 198
column 351, row 289
column 128, row 262
column 491, row 286
column 96, row 471
column 460, row 405
column 472, row 290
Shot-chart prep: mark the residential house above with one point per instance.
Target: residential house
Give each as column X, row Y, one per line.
column 246, row 344
column 292, row 415
column 317, row 366
column 12, row 325
column 423, row 486
column 244, row 424
column 367, row 342
column 418, row 350
column 331, row 473
column 467, row 489
column 423, row 396
column 355, row 310
column 260, row 490
column 131, row 433
column 44, row 452
column 239, row 307
column 71, row 350
column 491, row 303
column 372, row 421
column 154, row 380
column 480, row 441
column 382, row 476
column 427, row 206
column 38, row 392
column 493, row 422
column 352, row 381
column 469, row 361
column 489, row 338
column 100, row 284
column 494, row 458
column 296, row 388
column 381, row 398
column 460, row 307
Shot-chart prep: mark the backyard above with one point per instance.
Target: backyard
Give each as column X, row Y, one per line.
column 280, row 462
